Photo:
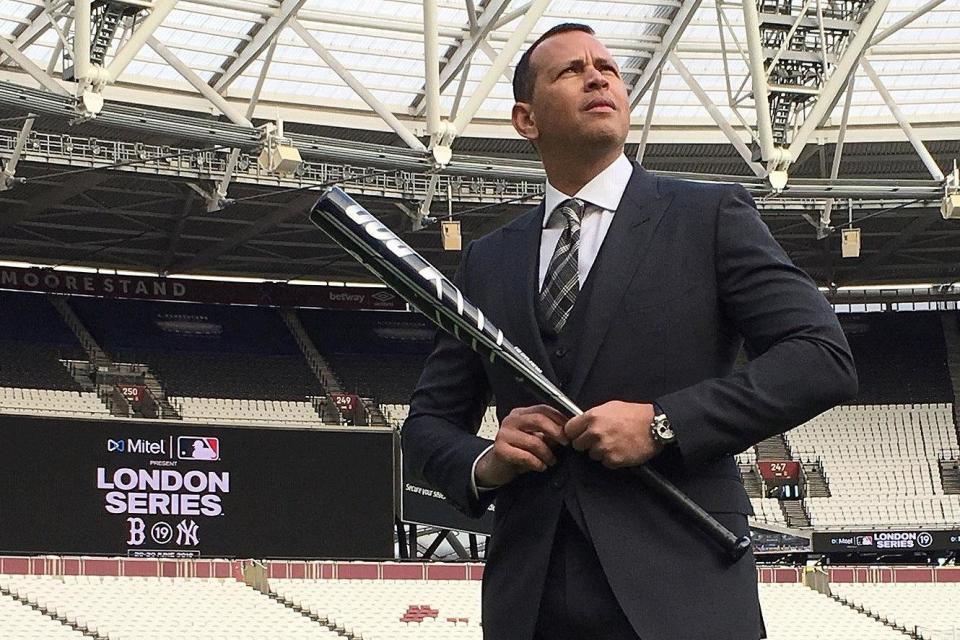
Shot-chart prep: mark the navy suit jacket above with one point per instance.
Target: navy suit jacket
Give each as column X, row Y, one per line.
column 689, row 273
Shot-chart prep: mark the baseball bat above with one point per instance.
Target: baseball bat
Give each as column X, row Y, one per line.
column 401, row 268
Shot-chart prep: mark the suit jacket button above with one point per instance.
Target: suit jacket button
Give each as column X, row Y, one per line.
column 562, row 351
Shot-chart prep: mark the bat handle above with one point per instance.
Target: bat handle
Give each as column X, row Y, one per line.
column 734, row 546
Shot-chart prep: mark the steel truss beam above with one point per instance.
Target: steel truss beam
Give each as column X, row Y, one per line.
column 902, row 120
column 198, row 83
column 126, row 53
column 654, row 65
column 463, row 52
column 361, row 91
column 470, row 179
column 904, row 21
column 831, row 89
column 31, row 68
column 722, row 122
column 37, row 27
column 39, row 205
column 262, row 38
column 509, row 50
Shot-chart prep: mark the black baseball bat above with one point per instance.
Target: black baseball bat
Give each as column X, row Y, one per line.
column 401, row 268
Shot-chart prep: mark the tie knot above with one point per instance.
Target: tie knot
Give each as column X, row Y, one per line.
column 569, row 211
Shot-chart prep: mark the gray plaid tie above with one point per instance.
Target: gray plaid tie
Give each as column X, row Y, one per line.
column 561, row 285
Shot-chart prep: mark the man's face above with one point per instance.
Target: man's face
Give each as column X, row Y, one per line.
column 579, row 97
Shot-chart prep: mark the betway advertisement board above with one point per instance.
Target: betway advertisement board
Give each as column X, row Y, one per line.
column 887, row 541
column 158, row 490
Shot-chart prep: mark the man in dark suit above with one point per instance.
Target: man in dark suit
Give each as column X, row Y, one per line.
column 634, row 294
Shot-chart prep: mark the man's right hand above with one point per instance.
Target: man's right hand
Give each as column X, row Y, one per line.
column 524, row 443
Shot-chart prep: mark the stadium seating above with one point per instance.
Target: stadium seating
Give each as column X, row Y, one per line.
column 795, row 612
column 243, row 410
column 768, row 510
column 881, row 463
column 214, row 351
column 384, row 609
column 397, row 413
column 165, row 608
column 52, row 402
column 929, row 609
column 376, row 355
column 909, row 369
column 34, row 341
column 19, row 622
column 387, row 609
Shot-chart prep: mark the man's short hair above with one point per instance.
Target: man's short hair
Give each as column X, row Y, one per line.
column 524, row 77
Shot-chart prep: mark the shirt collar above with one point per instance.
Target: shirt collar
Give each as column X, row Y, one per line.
column 604, row 191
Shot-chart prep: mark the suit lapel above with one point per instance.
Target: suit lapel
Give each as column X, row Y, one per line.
column 521, row 250
column 622, row 251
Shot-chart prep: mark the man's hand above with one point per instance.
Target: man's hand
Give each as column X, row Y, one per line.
column 616, row 434
column 523, row 444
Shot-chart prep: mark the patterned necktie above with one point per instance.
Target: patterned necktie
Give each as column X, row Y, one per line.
column 561, row 284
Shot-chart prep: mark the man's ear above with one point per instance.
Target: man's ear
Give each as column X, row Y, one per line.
column 524, row 121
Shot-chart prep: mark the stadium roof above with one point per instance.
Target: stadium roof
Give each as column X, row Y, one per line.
column 350, row 83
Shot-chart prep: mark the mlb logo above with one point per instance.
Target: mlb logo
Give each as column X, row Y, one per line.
column 197, row 448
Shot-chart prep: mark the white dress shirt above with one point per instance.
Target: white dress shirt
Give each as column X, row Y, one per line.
column 602, row 196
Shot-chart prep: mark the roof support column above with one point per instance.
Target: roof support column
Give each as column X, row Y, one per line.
column 725, row 126
column 364, row 93
column 510, row 49
column 902, row 120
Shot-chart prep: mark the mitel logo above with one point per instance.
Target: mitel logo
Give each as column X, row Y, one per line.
column 138, row 445
column 197, row 448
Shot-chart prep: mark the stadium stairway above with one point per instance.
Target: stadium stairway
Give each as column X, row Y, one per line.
column 816, row 485
column 870, row 614
column 324, row 372
column 321, row 369
column 60, row 617
column 752, row 481
column 773, row 448
column 795, row 513
column 311, row 612
column 100, row 359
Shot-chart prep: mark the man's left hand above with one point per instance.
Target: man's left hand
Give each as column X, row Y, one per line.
column 615, row 433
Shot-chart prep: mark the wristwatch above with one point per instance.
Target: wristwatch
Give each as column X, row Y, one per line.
column 660, row 428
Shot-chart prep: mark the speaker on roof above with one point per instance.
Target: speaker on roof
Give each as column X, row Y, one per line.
column 450, row 231
column 850, row 243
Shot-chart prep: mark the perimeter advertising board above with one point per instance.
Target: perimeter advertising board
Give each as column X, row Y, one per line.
column 885, row 542
column 422, row 504
column 141, row 489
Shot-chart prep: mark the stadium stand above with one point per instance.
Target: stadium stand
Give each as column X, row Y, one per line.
column 52, row 402
column 768, row 510
column 49, row 597
column 19, row 622
column 243, row 410
column 930, row 610
column 882, row 464
column 199, row 350
column 163, row 608
column 34, row 341
column 911, row 369
column 383, row 609
column 489, row 424
column 377, row 355
column 796, row 612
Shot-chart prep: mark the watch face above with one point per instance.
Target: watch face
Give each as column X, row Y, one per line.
column 663, row 430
